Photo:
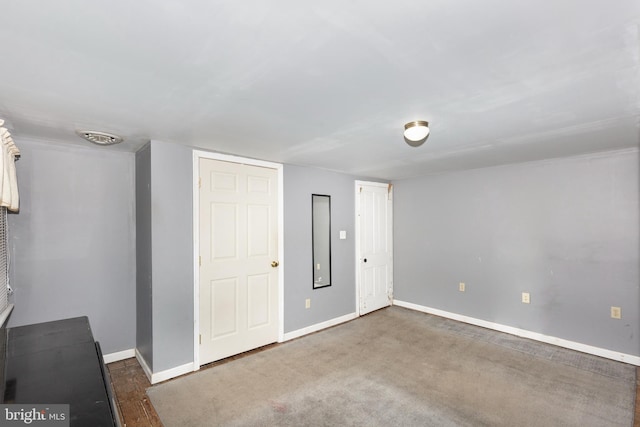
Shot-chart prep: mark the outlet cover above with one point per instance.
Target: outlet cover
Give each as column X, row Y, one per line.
column 616, row 312
column 526, row 299
column 461, row 287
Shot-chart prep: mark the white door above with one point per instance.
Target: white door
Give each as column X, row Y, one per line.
column 238, row 258
column 374, row 240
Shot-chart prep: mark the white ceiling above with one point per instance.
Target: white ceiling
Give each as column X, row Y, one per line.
column 329, row 84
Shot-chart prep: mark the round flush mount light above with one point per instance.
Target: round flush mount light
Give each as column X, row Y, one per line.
column 100, row 138
column 416, row 133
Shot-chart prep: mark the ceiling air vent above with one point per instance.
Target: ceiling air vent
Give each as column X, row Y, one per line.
column 100, row 138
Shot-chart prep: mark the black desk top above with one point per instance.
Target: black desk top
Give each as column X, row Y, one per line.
column 57, row 362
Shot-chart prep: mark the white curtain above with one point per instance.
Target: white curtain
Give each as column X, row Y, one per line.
column 8, row 182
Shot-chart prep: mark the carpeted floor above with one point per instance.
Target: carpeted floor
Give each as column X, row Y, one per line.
column 398, row 367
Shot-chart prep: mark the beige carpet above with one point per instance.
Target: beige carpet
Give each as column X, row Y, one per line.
column 397, row 367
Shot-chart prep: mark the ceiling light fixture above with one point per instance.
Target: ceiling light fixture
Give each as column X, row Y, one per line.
column 99, row 138
column 416, row 133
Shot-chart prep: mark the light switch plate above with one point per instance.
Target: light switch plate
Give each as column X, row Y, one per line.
column 616, row 313
column 343, row 234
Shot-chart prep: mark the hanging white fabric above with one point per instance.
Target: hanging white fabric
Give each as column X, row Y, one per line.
column 9, row 183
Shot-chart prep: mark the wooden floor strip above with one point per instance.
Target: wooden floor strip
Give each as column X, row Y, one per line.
column 129, row 384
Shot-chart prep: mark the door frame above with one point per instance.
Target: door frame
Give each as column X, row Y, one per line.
column 389, row 186
column 197, row 155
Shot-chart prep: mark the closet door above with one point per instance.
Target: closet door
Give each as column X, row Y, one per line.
column 374, row 227
column 239, row 265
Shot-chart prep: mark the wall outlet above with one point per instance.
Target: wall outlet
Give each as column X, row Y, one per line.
column 461, row 287
column 526, row 298
column 307, row 303
column 616, row 312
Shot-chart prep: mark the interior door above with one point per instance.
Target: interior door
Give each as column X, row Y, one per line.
column 374, row 208
column 238, row 223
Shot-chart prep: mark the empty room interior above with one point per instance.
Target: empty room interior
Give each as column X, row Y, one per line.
column 204, row 179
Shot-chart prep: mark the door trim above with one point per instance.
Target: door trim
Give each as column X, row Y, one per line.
column 358, row 231
column 197, row 155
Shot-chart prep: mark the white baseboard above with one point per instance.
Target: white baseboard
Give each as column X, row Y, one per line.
column 119, row 355
column 572, row 345
column 158, row 377
column 144, row 365
column 319, row 326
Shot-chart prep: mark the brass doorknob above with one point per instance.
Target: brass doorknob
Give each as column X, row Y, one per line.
column 274, row 263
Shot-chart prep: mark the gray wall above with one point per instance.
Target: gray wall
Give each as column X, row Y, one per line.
column 164, row 186
column 144, row 261
column 564, row 230
column 72, row 245
column 172, row 254
column 339, row 298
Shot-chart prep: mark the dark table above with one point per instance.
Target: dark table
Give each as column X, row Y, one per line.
column 59, row 362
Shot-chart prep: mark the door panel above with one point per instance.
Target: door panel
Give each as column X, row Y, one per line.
column 224, row 296
column 238, row 242
column 258, row 300
column 223, row 225
column 258, row 220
